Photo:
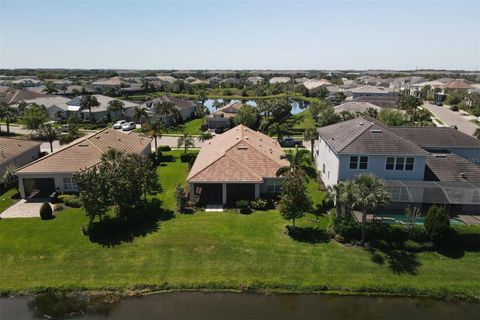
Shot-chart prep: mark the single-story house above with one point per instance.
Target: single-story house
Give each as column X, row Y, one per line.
column 240, row 164
column 223, row 117
column 17, row 152
column 104, row 84
column 355, row 106
column 54, row 105
column 255, row 80
column 55, row 171
column 371, row 91
column 13, row 96
column 276, row 80
column 185, row 107
column 102, row 110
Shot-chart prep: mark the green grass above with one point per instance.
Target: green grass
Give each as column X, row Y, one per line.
column 6, row 199
column 301, row 121
column 216, row 251
column 191, row 127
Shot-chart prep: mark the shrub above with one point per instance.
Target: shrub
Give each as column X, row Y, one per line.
column 188, row 157
column 243, row 205
column 58, row 207
column 180, row 199
column 65, row 139
column 156, row 157
column 467, row 237
column 259, row 204
column 437, row 223
column 164, row 148
column 71, row 201
column 349, row 229
column 46, row 211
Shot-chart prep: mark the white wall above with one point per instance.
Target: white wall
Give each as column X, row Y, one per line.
column 325, row 155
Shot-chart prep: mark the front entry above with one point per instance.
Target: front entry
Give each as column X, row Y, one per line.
column 240, row 191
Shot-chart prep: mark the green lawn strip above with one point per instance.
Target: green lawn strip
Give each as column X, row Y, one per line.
column 216, row 251
column 6, row 199
column 191, row 127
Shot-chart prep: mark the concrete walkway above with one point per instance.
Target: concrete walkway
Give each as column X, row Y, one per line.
column 23, row 209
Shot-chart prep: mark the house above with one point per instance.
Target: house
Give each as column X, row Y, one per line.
column 105, row 84
column 14, row 96
column 102, row 110
column 166, row 79
column 223, row 117
column 420, row 165
column 384, row 102
column 255, row 80
column 356, row 107
column 315, row 83
column 55, row 106
column 55, row 171
column 371, row 91
column 240, row 164
column 17, row 153
column 276, row 80
column 186, row 108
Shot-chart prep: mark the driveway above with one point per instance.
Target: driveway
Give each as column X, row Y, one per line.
column 450, row 117
column 23, row 209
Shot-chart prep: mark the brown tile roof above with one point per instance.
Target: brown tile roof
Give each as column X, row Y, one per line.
column 11, row 96
column 361, row 136
column 87, row 152
column 450, row 167
column 179, row 103
column 459, row 84
column 227, row 111
column 238, row 155
column 12, row 148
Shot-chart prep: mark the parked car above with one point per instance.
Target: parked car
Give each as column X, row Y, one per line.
column 454, row 108
column 211, row 131
column 127, row 126
column 119, row 124
column 289, row 142
column 64, row 128
column 440, row 104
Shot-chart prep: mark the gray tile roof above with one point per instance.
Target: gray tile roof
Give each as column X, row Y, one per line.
column 436, row 137
column 451, row 168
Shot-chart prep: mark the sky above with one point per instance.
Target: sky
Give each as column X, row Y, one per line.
column 322, row 35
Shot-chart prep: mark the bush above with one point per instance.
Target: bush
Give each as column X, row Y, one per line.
column 467, row 237
column 156, row 157
column 188, row 157
column 58, row 207
column 243, row 205
column 437, row 223
column 259, row 204
column 71, row 201
column 46, row 211
column 164, row 148
column 65, row 139
column 347, row 228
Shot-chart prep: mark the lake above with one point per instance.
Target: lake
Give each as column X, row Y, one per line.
column 200, row 305
column 296, row 106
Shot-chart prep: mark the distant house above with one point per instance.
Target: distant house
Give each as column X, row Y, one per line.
column 13, row 96
column 55, row 171
column 275, row 80
column 166, row 79
column 356, row 107
column 56, row 106
column 17, row 153
column 420, row 165
column 240, row 164
column 316, row 83
column 255, row 80
column 185, row 107
column 223, row 117
column 102, row 110
column 105, row 84
column 371, row 91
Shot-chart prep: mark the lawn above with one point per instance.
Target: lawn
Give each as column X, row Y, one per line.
column 191, row 127
column 6, row 199
column 217, row 251
column 301, row 121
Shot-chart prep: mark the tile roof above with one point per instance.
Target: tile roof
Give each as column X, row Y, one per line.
column 435, row 137
column 102, row 100
column 12, row 148
column 227, row 111
column 179, row 103
column 371, row 89
column 49, row 101
column 355, row 106
column 361, row 136
column 449, row 167
column 238, row 155
column 87, row 152
column 12, row 96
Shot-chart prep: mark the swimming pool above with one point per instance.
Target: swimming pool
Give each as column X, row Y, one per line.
column 402, row 219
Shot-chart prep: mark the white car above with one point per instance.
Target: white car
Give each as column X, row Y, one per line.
column 119, row 124
column 127, row 126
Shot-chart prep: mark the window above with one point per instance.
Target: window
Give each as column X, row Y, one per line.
column 353, row 162
column 323, row 168
column 409, row 164
column 390, row 163
column 399, row 164
column 273, row 185
column 363, row 163
column 358, row 162
column 69, row 184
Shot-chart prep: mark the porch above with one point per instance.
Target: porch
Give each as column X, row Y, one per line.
column 223, row 193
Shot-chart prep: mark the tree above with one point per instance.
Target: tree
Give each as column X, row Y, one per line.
column 294, row 199
column 139, row 113
column 205, row 136
column 311, row 134
column 168, row 110
column 115, row 106
column 48, row 133
column 412, row 214
column 88, row 102
column 408, row 102
column 299, row 160
column 342, row 195
column 317, row 107
column 94, row 192
column 50, row 88
column 34, row 116
column 453, row 98
column 186, row 140
column 476, row 134
column 437, row 223
column 278, row 129
column 7, row 113
column 180, row 200
column 248, row 116
column 200, row 112
column 156, row 129
column 327, row 117
column 369, row 196
column 392, row 117
column 9, row 179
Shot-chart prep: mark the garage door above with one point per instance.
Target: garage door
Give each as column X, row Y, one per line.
column 45, row 187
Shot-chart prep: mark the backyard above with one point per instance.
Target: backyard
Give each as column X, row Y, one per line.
column 217, row 251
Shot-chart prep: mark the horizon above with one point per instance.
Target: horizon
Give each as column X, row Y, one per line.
column 241, row 36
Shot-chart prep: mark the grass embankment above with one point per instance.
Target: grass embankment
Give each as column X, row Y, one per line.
column 6, row 199
column 218, row 251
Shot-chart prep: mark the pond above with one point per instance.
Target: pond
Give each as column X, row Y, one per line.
column 297, row 106
column 199, row 305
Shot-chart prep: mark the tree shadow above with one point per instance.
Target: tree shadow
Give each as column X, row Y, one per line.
column 400, row 261
column 309, row 235
column 453, row 253
column 138, row 222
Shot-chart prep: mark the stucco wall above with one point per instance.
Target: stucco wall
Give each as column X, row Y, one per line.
column 325, row 155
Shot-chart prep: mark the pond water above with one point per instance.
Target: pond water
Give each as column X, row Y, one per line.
column 198, row 305
column 297, row 106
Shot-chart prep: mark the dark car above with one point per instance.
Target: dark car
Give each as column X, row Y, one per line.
column 454, row 108
column 440, row 104
column 289, row 143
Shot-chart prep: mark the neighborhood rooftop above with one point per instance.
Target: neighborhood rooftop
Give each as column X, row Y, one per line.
column 11, row 148
column 449, row 167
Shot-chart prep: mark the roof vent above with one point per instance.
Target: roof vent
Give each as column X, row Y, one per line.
column 376, row 131
column 462, row 175
column 242, row 147
column 83, row 145
column 360, row 123
column 440, row 155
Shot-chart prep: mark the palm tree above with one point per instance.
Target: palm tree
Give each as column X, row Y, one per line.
column 278, row 129
column 217, row 104
column 299, row 159
column 205, row 136
column 187, row 141
column 155, row 130
column 138, row 113
column 49, row 133
column 115, row 106
column 166, row 109
column 200, row 112
column 7, row 113
column 342, row 195
column 311, row 134
column 369, row 196
column 88, row 102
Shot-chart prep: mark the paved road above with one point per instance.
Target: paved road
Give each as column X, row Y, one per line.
column 450, row 117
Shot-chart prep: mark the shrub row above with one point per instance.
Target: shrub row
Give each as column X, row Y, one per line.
column 71, row 200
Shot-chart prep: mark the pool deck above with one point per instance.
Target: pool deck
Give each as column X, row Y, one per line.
column 469, row 218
